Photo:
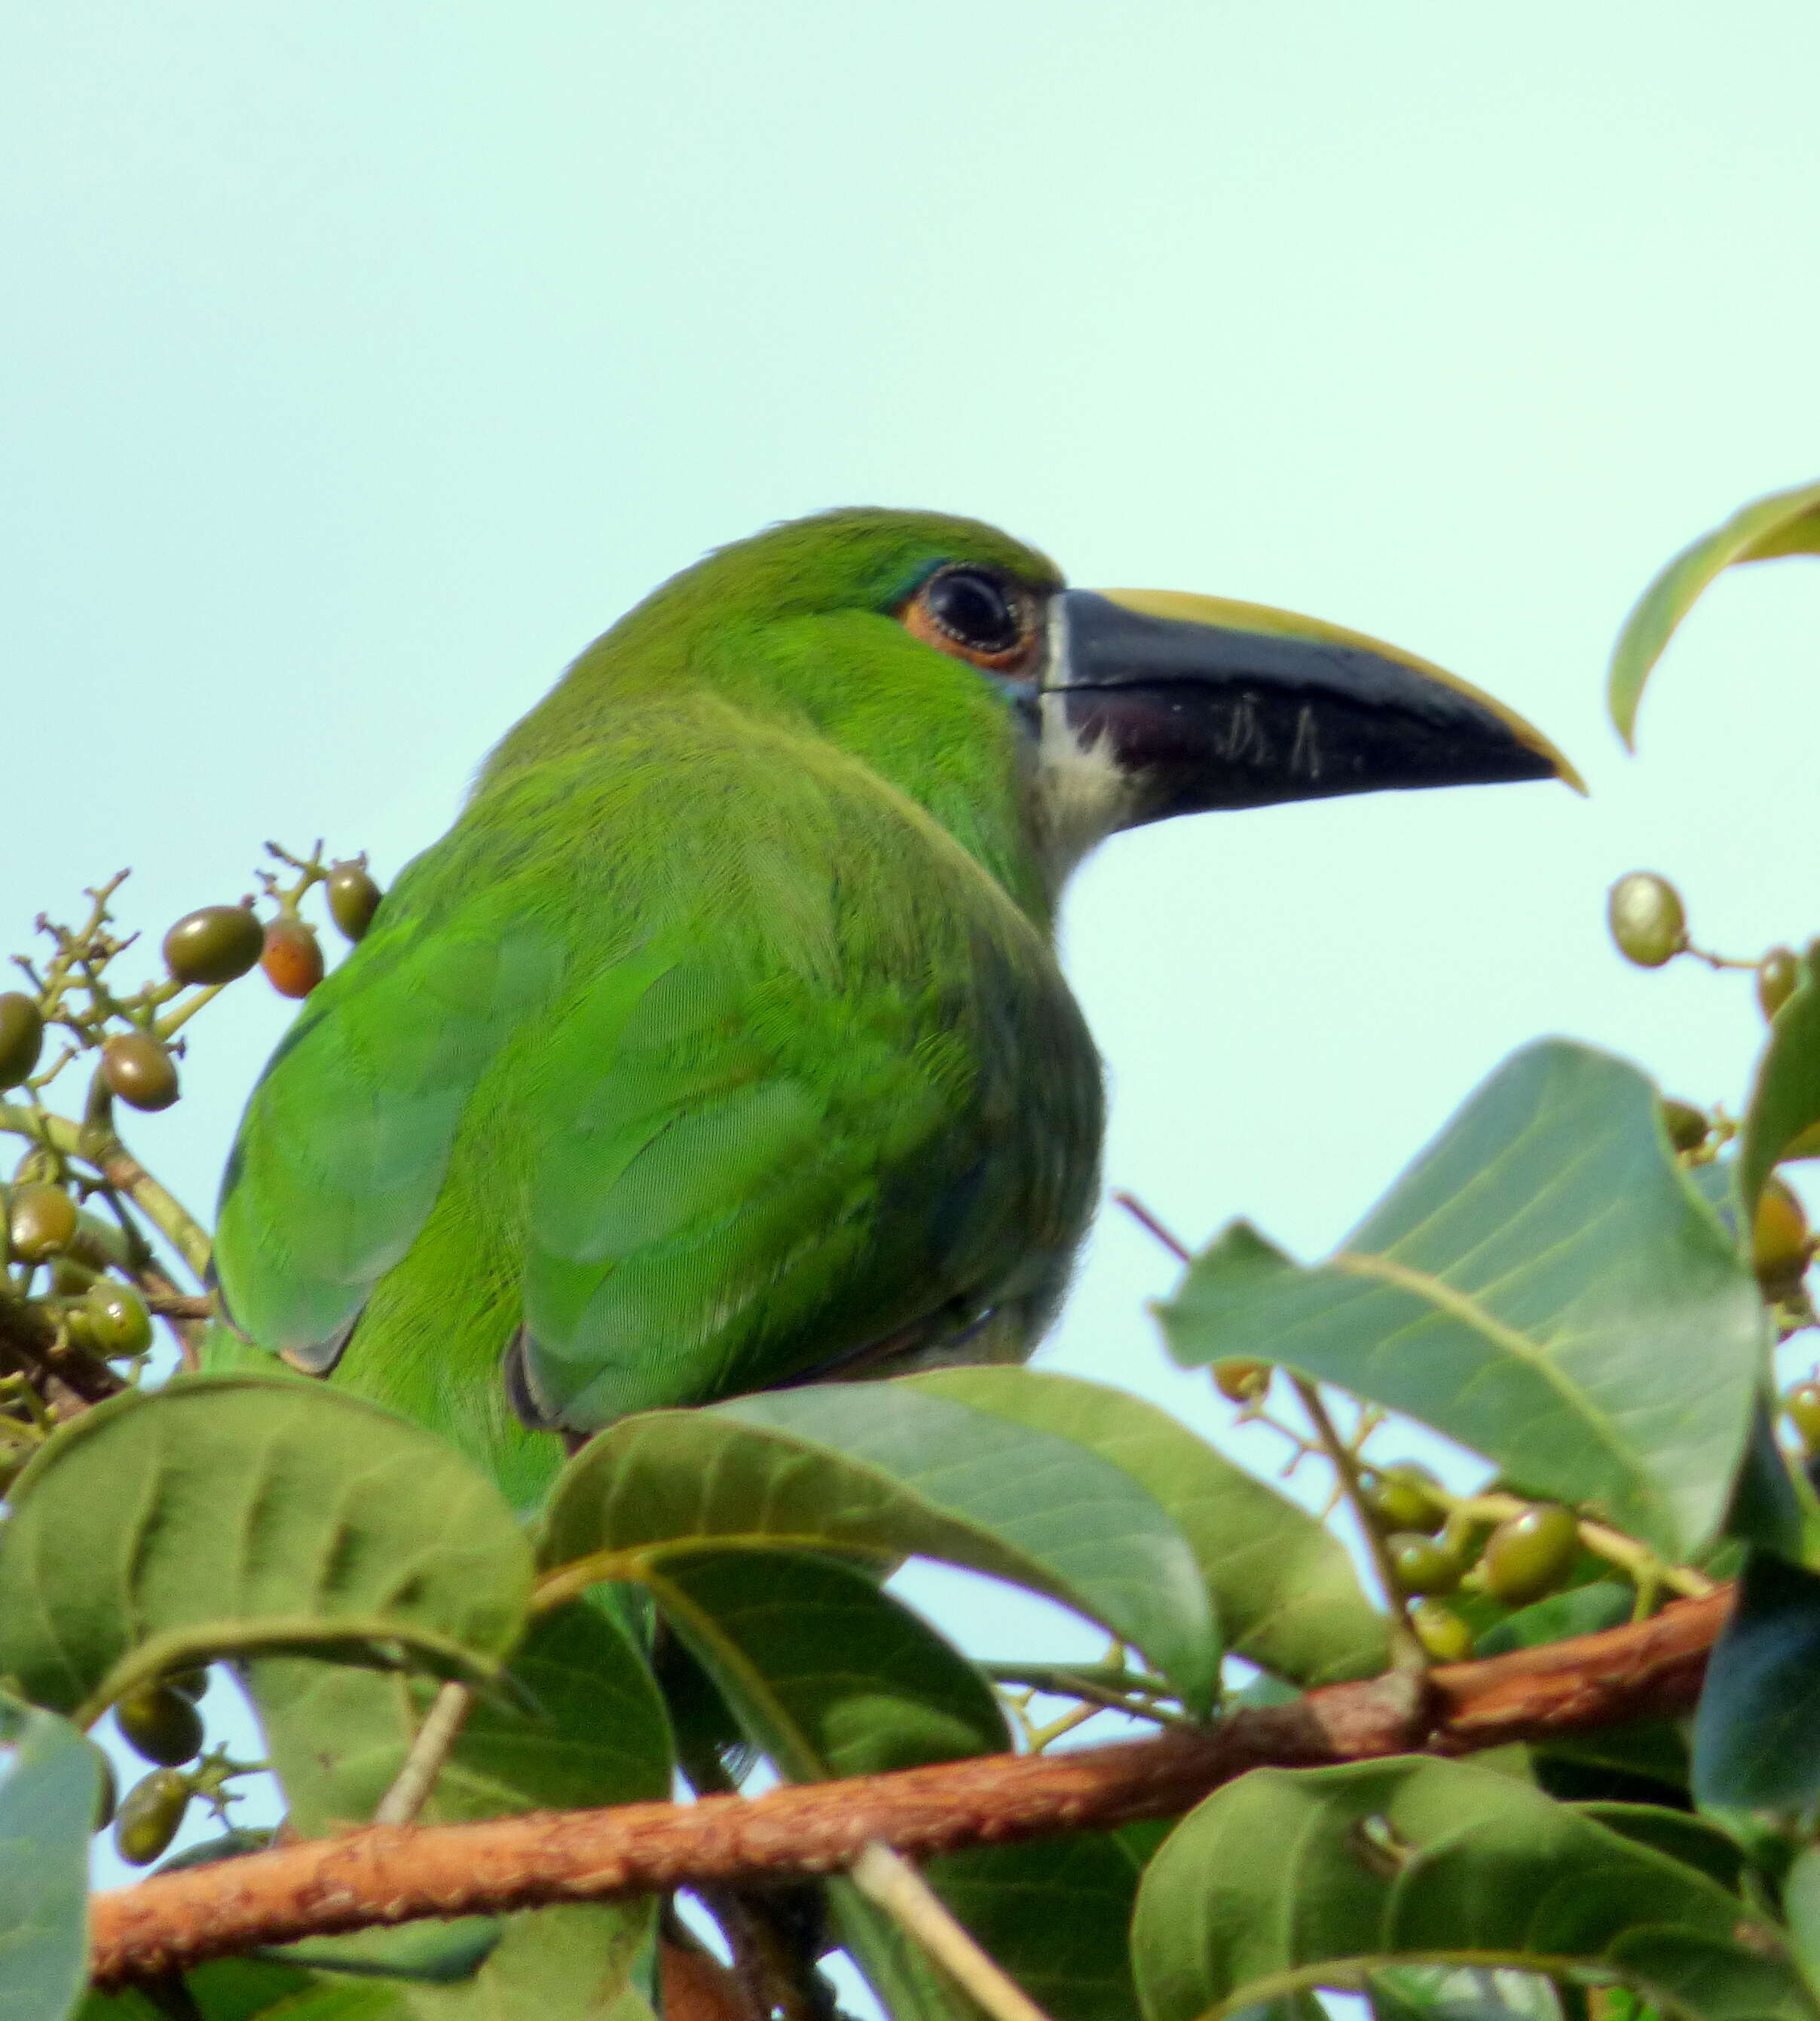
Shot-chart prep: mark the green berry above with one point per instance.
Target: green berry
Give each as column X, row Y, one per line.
column 21, row 1037
column 1421, row 1565
column 161, row 1724
column 1780, row 1246
column 1402, row 1497
column 1688, row 1128
column 40, row 1221
column 1441, row 1631
column 119, row 1323
column 214, row 944
column 1647, row 918
column 151, row 1816
column 1801, row 1403
column 1530, row 1555
column 1242, row 1381
column 353, row 898
column 140, row 1071
column 1779, row 975
column 107, row 1793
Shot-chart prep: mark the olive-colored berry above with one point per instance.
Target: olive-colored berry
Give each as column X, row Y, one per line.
column 193, row 1683
column 118, row 1322
column 161, row 1724
column 140, row 1071
column 1421, row 1565
column 1801, row 1401
column 1688, row 1128
column 1779, row 975
column 1780, row 1246
column 1529, row 1555
column 40, row 1221
column 1441, row 1631
column 292, row 959
column 1242, row 1381
column 214, row 944
column 1647, row 918
column 353, row 898
column 107, row 1792
column 151, row 1816
column 1402, row 1497
column 21, row 1037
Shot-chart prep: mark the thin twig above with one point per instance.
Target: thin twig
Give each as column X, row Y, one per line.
column 888, row 1879
column 441, row 1725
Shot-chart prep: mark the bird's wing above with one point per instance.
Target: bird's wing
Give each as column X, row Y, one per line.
column 744, row 1172
column 346, row 1140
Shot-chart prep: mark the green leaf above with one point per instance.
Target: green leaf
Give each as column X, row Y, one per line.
column 1542, row 1285
column 1583, row 1611
column 582, row 1726
column 250, row 1989
column 1786, row 522
column 828, row 1675
column 1801, row 1908
column 880, row 1471
column 1678, row 1834
column 232, row 1514
column 47, row 1815
column 1286, row 1880
column 1756, row 1733
column 440, row 1953
column 579, row 1963
column 1283, row 1588
column 1056, row 1914
column 1785, row 1097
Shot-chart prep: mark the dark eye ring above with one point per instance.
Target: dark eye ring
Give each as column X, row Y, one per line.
column 975, row 609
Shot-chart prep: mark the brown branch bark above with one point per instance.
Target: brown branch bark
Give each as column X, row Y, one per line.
column 385, row 1874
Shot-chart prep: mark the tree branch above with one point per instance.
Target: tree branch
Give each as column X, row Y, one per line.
column 385, row 1874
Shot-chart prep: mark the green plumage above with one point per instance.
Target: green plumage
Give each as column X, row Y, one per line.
column 720, row 1040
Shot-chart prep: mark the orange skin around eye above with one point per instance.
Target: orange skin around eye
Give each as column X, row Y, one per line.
column 916, row 619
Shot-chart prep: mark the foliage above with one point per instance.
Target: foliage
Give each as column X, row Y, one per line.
column 1578, row 1283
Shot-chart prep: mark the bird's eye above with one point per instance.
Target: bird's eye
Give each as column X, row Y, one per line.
column 976, row 610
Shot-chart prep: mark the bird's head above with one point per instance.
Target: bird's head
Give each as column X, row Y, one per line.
column 944, row 652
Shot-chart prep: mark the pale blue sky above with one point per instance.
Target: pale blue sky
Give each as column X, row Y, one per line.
column 359, row 364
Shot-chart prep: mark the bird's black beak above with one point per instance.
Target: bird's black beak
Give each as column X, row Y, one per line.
column 1202, row 703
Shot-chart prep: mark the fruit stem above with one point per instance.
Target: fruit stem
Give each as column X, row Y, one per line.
column 1406, row 1652
column 121, row 1170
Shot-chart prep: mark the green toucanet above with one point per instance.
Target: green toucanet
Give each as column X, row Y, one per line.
column 721, row 1044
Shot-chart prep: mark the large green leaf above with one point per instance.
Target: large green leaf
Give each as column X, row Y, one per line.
column 828, row 1675
column 1283, row 1588
column 47, row 1814
column 1756, row 1735
column 250, row 1990
column 582, row 1726
column 1541, row 1285
column 1056, row 1913
column 882, row 1471
column 1785, row 1097
column 224, row 1515
column 1786, row 522
column 1285, row 1881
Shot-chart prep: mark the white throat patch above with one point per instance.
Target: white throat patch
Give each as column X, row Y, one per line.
column 1081, row 795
